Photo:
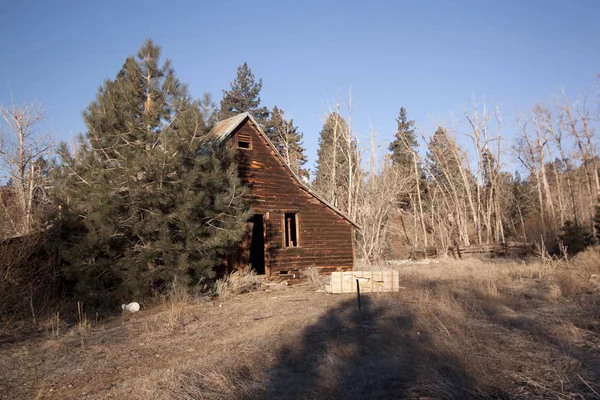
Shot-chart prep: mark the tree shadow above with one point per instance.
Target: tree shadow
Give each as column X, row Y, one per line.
column 376, row 352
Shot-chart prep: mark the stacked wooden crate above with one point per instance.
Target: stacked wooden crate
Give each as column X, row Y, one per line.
column 369, row 281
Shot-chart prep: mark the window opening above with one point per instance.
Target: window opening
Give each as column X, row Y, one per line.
column 290, row 228
column 244, row 141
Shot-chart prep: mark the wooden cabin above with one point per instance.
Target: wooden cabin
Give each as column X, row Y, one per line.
column 292, row 227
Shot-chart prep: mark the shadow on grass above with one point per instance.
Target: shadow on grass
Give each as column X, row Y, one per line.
column 372, row 353
column 548, row 345
column 438, row 340
column 575, row 360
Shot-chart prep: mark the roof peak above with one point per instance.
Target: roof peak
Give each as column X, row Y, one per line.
column 223, row 129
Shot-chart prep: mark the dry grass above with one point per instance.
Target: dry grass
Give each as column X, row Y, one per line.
column 313, row 279
column 217, row 384
column 459, row 329
column 521, row 330
column 238, row 282
column 28, row 284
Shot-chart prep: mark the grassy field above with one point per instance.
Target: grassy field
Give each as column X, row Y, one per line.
column 457, row 329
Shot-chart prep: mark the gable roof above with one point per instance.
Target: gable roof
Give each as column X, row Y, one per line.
column 224, row 129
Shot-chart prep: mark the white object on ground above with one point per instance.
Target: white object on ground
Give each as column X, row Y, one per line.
column 131, row 307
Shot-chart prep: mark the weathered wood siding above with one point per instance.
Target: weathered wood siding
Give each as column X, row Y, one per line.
column 325, row 237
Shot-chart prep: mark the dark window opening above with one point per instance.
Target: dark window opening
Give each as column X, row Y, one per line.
column 290, row 221
column 283, row 272
column 244, row 141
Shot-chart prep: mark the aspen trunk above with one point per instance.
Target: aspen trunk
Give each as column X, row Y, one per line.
column 557, row 136
column 543, row 174
column 417, row 179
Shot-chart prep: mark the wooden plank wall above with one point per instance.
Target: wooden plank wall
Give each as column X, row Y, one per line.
column 325, row 236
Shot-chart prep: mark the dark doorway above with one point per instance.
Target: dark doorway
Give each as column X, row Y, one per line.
column 257, row 245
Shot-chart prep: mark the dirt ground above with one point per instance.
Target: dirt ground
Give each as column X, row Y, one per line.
column 441, row 336
column 119, row 357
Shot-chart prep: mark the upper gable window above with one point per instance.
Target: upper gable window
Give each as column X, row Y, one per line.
column 244, row 141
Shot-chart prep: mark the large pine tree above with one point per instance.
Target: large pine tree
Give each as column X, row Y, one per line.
column 404, row 143
column 288, row 141
column 333, row 163
column 403, row 148
column 244, row 96
column 442, row 160
column 146, row 200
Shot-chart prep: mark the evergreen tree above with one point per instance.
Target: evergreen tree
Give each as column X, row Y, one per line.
column 576, row 238
column 404, row 143
column 243, row 96
column 516, row 203
column 442, row 160
column 402, row 147
column 145, row 200
column 333, row 163
column 288, row 141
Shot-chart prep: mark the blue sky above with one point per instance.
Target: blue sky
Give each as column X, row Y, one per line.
column 432, row 57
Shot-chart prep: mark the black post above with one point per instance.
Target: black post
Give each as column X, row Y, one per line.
column 358, row 293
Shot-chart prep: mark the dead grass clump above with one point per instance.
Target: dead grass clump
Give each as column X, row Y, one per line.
column 569, row 283
column 490, row 290
column 239, row 282
column 588, row 260
column 553, row 290
column 211, row 383
column 179, row 293
column 567, row 330
column 179, row 302
column 52, row 326
column 312, row 278
column 533, row 269
column 176, row 299
column 175, row 314
column 578, row 276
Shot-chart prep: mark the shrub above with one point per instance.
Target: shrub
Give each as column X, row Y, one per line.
column 575, row 238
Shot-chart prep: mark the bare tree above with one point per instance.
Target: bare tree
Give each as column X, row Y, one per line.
column 525, row 151
column 352, row 156
column 556, row 131
column 22, row 151
column 487, row 173
column 378, row 195
column 447, row 165
column 542, row 120
column 585, row 149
